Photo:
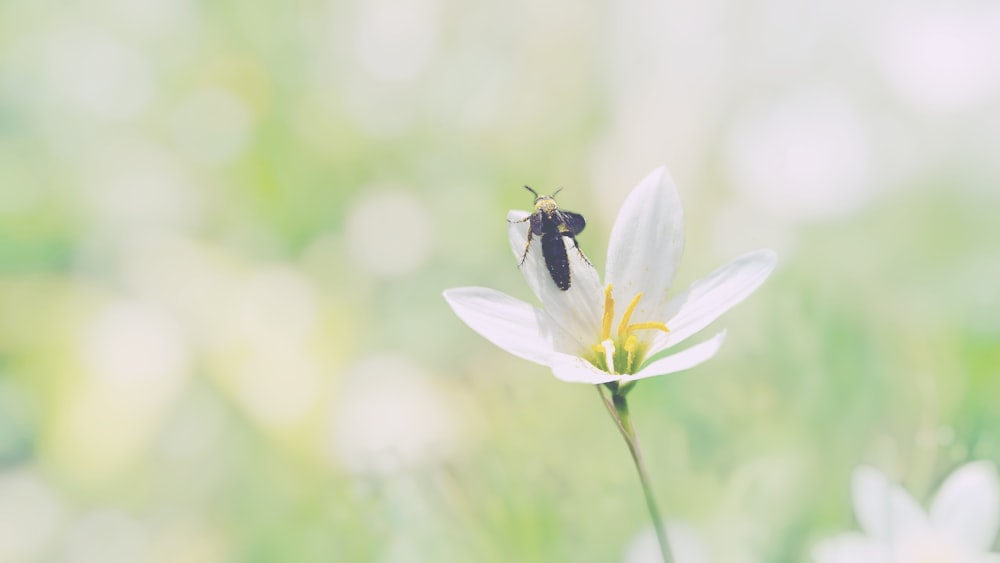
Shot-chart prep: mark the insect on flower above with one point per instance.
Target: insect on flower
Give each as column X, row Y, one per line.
column 552, row 225
column 621, row 328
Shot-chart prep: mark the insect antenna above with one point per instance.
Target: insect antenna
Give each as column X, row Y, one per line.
column 557, row 191
column 531, row 190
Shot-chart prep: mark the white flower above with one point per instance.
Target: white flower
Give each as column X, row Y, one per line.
column 686, row 546
column 960, row 527
column 579, row 333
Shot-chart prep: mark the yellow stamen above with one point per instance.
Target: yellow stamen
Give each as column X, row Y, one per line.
column 607, row 348
column 631, row 343
column 623, row 326
column 648, row 326
column 609, row 313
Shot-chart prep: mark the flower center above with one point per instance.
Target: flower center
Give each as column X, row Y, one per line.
column 621, row 353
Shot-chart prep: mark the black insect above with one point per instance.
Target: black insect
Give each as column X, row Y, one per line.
column 552, row 224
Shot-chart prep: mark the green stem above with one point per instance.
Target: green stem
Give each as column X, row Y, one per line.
column 618, row 409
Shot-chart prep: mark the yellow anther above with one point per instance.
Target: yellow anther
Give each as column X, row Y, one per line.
column 648, row 326
column 609, row 313
column 623, row 326
column 631, row 343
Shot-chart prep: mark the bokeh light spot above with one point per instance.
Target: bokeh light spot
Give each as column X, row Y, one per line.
column 97, row 73
column 133, row 186
column 395, row 38
column 390, row 416
column 389, row 232
column 212, row 127
column 268, row 351
column 106, row 535
column 30, row 514
column 137, row 347
column 807, row 158
column 943, row 60
column 135, row 360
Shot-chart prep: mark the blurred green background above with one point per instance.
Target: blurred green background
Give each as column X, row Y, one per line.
column 225, row 228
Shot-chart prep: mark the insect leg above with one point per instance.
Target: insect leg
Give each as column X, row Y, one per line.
column 576, row 243
column 527, row 246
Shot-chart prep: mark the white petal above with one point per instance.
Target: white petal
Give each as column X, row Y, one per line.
column 681, row 361
column 578, row 309
column 968, row 505
column 509, row 323
column 575, row 369
column 851, row 548
column 708, row 298
column 885, row 510
column 646, row 245
column 517, row 232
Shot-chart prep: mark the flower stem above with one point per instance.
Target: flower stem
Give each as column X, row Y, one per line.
column 618, row 409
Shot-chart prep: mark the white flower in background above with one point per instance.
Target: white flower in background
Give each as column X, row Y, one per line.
column 579, row 333
column 685, row 545
column 959, row 528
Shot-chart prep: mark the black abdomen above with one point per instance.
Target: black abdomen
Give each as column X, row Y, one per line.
column 556, row 260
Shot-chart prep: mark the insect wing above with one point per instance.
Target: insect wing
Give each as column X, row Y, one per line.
column 573, row 221
column 536, row 224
